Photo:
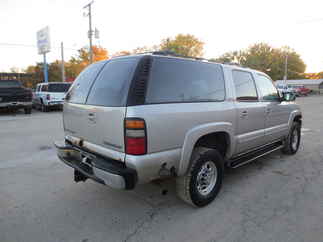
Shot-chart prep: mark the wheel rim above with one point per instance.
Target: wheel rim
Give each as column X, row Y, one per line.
column 206, row 178
column 294, row 139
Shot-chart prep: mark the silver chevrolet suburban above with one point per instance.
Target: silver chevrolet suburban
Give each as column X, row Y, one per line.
column 133, row 119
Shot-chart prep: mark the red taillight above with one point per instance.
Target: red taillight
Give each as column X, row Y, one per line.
column 135, row 136
column 135, row 146
column 48, row 97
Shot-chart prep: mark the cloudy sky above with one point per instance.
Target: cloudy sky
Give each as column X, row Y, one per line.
column 125, row 25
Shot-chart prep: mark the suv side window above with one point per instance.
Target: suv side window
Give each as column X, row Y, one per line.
column 38, row 88
column 173, row 80
column 82, row 84
column 267, row 88
column 244, row 86
column 44, row 88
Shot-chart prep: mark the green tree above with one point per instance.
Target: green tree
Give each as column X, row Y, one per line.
column 121, row 53
column 267, row 59
column 77, row 63
column 55, row 71
column 37, row 73
column 186, row 45
column 72, row 67
column 145, row 48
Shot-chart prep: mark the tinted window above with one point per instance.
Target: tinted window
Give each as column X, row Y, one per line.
column 44, row 88
column 244, row 85
column 267, row 88
column 174, row 80
column 82, row 84
column 112, row 84
column 10, row 84
column 59, row 87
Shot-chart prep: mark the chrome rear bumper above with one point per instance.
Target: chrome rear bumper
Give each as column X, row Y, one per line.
column 105, row 171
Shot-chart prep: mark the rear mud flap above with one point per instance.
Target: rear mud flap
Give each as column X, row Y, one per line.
column 78, row 176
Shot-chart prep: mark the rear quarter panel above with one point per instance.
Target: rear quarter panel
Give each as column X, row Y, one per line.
column 178, row 126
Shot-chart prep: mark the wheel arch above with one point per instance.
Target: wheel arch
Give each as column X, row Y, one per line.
column 209, row 136
column 298, row 119
column 295, row 115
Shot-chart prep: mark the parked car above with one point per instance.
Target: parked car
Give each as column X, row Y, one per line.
column 14, row 96
column 49, row 95
column 130, row 120
column 301, row 90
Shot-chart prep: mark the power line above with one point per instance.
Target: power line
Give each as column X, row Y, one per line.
column 34, row 46
column 314, row 20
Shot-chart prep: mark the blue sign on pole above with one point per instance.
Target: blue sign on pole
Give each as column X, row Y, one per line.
column 45, row 69
column 43, row 43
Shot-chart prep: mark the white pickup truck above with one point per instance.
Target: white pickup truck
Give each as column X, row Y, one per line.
column 50, row 95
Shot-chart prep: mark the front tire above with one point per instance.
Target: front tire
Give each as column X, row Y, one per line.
column 293, row 139
column 203, row 181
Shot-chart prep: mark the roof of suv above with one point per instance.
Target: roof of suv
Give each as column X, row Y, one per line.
column 187, row 58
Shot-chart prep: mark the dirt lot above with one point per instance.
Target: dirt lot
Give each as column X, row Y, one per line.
column 276, row 198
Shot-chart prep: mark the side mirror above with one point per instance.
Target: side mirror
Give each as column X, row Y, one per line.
column 289, row 97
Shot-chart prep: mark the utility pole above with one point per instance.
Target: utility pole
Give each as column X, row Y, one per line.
column 63, row 67
column 286, row 61
column 90, row 33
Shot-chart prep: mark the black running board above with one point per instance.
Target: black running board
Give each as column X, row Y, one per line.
column 246, row 158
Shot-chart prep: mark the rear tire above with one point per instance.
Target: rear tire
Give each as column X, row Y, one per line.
column 293, row 139
column 44, row 108
column 203, row 181
column 27, row 110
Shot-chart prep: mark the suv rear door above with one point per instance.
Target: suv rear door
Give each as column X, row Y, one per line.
column 96, row 106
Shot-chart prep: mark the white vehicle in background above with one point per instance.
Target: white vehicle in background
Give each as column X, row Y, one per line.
column 284, row 88
column 48, row 95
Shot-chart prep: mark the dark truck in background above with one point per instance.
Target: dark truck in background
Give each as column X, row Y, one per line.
column 14, row 96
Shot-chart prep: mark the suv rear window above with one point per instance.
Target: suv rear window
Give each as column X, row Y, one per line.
column 174, row 80
column 59, row 87
column 82, row 84
column 112, row 84
column 10, row 84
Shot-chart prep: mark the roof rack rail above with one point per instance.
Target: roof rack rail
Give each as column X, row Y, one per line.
column 172, row 53
column 233, row 64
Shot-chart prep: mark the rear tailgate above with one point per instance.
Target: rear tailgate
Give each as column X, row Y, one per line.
column 57, row 96
column 99, row 120
column 15, row 95
column 100, row 128
column 57, row 91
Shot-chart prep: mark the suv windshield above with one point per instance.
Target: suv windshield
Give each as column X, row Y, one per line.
column 59, row 87
column 10, row 84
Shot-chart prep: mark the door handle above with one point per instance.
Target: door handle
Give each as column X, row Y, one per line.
column 244, row 114
column 268, row 110
column 91, row 117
